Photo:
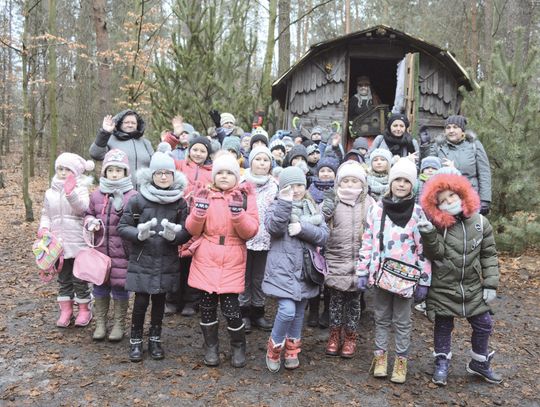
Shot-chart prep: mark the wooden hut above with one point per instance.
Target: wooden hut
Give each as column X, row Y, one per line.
column 426, row 78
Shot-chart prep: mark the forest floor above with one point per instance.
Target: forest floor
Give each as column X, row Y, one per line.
column 47, row 366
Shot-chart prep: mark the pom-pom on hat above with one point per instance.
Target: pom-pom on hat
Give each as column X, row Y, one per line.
column 162, row 158
column 224, row 160
column 261, row 131
column 430, row 162
column 117, row 158
column 75, row 163
column 291, row 176
column 459, row 121
column 351, row 169
column 403, row 168
column 260, row 150
column 227, row 118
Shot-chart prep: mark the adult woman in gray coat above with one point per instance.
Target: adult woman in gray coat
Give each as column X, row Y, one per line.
column 463, row 151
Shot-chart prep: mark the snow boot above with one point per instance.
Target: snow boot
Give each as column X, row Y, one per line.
column 188, row 310
column 292, row 349
column 348, row 349
column 136, row 345
column 238, row 346
column 85, row 312
column 258, row 320
column 66, row 312
column 399, row 373
column 120, row 311
column 245, row 311
column 154, row 343
column 211, row 343
column 313, row 316
column 480, row 365
column 379, row 364
column 101, row 308
column 334, row 341
column 442, row 367
column 273, row 355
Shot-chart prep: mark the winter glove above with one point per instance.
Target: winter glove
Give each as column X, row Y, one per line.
column 145, row 229
column 286, row 194
column 201, row 201
column 362, row 283
column 425, row 226
column 236, row 203
column 420, row 293
column 93, row 225
column 489, row 294
column 216, row 117
column 484, row 208
column 42, row 232
column 294, row 228
column 169, row 230
column 69, row 184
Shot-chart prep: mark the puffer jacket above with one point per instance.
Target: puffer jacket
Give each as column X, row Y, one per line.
column 63, row 215
column 101, row 207
column 345, row 239
column 283, row 273
column 219, row 251
column 462, row 251
column 154, row 265
column 470, row 159
column 195, row 173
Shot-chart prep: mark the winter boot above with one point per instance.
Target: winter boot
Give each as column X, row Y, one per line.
column 154, row 343
column 334, row 341
column 85, row 312
column 442, row 366
column 273, row 355
column 211, row 343
column 349, row 345
column 101, row 308
column 258, row 320
column 246, row 318
column 188, row 310
column 399, row 373
column 66, row 312
column 379, row 365
column 292, row 349
column 120, row 311
column 313, row 316
column 324, row 320
column 238, row 346
column 480, row 365
column 136, row 345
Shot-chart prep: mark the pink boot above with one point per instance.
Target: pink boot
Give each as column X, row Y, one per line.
column 66, row 312
column 85, row 313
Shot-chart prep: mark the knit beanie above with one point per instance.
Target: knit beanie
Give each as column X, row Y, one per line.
column 188, row 128
column 403, row 168
column 258, row 137
column 448, row 170
column 291, row 176
column 430, row 162
column 231, row 143
column 459, row 121
column 350, row 169
column 261, row 131
column 298, row 150
column 359, row 143
column 224, row 160
column 201, row 140
column 74, row 162
column 162, row 158
column 258, row 150
column 312, row 148
column 215, row 146
column 397, row 116
column 117, row 158
column 381, row 152
column 227, row 118
column 287, row 141
column 327, row 162
column 277, row 144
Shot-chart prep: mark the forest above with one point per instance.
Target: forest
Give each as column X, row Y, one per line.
column 66, row 64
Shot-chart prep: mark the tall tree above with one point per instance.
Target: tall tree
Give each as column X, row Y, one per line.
column 51, row 76
column 103, row 58
column 266, row 77
column 284, row 39
column 29, row 214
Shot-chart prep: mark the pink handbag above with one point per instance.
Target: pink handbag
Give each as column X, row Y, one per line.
column 90, row 264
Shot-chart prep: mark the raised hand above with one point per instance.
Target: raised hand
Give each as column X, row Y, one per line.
column 108, row 123
column 178, row 125
column 236, row 203
column 69, row 184
column 200, row 197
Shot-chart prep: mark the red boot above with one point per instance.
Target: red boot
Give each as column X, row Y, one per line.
column 334, row 341
column 66, row 312
column 85, row 313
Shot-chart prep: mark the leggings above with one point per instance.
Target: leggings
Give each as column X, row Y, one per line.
column 141, row 305
column 230, row 308
column 482, row 326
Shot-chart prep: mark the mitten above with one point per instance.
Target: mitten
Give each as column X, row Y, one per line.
column 484, row 208
column 69, row 184
column 169, row 230
column 145, row 229
column 286, row 194
column 236, row 203
column 42, row 232
column 420, row 293
column 201, row 201
column 425, row 226
column 489, row 294
column 362, row 283
column 216, row 117
column 294, row 228
column 93, row 225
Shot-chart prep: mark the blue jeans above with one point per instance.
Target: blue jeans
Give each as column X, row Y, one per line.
column 289, row 320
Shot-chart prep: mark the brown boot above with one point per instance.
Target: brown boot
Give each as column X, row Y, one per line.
column 334, row 341
column 349, row 345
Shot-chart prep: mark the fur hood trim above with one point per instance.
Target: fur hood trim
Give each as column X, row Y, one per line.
column 470, row 200
column 144, row 176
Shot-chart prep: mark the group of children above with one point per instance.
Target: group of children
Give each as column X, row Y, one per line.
column 247, row 234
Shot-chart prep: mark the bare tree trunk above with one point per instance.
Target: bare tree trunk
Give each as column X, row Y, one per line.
column 52, row 88
column 26, row 136
column 299, row 27
column 474, row 37
column 347, row 16
column 102, row 45
column 9, row 122
column 488, row 39
column 284, row 19
column 265, row 95
column 307, row 19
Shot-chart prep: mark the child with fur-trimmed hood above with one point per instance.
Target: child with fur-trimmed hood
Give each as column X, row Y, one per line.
column 461, row 246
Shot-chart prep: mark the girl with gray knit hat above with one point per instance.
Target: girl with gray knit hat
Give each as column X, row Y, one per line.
column 377, row 177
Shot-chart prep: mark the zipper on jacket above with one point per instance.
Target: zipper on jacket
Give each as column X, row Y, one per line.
column 136, row 156
column 463, row 267
column 106, row 226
